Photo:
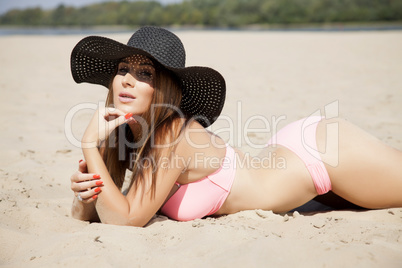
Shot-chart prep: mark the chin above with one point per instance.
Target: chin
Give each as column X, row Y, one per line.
column 124, row 108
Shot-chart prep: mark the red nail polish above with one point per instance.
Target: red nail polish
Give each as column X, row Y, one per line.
column 97, row 190
column 95, row 196
column 80, row 161
column 99, row 183
column 127, row 116
column 96, row 176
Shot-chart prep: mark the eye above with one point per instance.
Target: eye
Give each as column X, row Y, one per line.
column 145, row 75
column 122, row 69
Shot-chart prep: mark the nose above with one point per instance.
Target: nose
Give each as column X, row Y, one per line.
column 129, row 80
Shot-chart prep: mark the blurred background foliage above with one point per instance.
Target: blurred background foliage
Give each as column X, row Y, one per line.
column 210, row 13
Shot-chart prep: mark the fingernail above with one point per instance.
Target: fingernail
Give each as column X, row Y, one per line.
column 99, row 183
column 97, row 190
column 127, row 116
column 80, row 161
column 95, row 196
column 96, row 176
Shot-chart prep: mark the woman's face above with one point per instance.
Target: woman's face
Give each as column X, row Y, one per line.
column 133, row 85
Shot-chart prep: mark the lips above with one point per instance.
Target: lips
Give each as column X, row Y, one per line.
column 126, row 97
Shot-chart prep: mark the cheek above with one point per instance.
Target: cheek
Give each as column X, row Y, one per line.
column 146, row 93
column 115, row 85
column 150, row 94
column 115, row 95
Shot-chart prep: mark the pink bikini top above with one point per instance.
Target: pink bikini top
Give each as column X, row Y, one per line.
column 203, row 197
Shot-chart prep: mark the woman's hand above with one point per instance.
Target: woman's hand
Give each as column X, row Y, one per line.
column 86, row 186
column 103, row 122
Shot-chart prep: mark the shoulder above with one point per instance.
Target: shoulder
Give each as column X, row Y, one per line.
column 195, row 139
column 193, row 134
column 185, row 130
column 186, row 137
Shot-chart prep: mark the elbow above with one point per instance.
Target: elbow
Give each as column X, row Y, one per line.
column 137, row 222
column 77, row 214
column 124, row 216
column 134, row 222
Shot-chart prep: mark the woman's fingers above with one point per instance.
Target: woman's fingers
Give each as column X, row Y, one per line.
column 82, row 166
column 81, row 181
column 114, row 123
column 89, row 200
column 89, row 195
column 109, row 111
column 111, row 114
column 78, row 176
column 85, row 185
column 104, row 121
column 113, row 118
column 116, row 114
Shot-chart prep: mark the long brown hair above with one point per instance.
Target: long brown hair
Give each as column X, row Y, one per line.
column 162, row 126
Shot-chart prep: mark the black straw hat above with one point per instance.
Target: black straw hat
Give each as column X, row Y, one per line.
column 94, row 60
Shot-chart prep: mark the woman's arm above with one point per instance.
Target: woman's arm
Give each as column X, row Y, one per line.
column 112, row 207
column 81, row 181
column 138, row 207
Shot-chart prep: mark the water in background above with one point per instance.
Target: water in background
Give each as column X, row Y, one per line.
column 61, row 31
column 4, row 31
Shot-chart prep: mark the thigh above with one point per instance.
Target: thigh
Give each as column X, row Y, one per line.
column 363, row 170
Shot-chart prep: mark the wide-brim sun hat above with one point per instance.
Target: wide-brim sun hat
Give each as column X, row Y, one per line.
column 95, row 59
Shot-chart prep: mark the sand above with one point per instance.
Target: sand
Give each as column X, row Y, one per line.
column 278, row 75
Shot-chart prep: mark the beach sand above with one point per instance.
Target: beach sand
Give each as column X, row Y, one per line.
column 279, row 76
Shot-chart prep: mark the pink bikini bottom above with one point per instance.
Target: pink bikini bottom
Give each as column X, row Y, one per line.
column 300, row 138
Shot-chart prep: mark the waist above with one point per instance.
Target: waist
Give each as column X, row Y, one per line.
column 243, row 181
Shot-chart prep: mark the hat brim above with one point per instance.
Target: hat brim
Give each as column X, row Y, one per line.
column 95, row 59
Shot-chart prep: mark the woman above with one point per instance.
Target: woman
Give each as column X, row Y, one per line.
column 184, row 171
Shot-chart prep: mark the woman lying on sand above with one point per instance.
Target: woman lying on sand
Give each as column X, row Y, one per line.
column 186, row 172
